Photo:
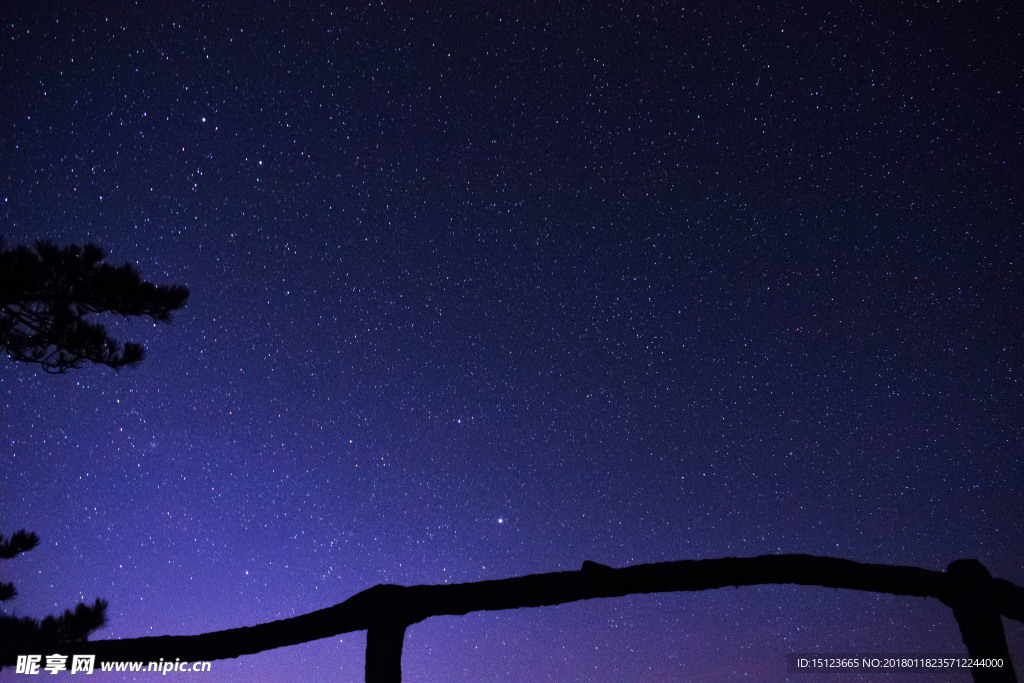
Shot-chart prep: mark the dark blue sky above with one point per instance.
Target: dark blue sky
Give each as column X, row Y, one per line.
column 487, row 291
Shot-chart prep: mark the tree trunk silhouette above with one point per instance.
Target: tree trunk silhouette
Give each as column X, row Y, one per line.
column 385, row 611
column 384, row 651
column 976, row 608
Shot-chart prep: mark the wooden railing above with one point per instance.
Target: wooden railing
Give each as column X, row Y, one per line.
column 385, row 611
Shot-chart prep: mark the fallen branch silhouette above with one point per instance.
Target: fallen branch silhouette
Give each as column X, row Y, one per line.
column 385, row 611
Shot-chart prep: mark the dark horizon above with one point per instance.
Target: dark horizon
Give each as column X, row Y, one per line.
column 490, row 291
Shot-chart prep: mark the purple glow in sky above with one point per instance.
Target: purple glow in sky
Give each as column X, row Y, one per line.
column 490, row 290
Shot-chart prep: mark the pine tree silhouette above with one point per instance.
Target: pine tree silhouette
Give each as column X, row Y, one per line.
column 46, row 292
column 71, row 626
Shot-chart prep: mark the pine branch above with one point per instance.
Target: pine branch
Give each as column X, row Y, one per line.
column 45, row 294
column 72, row 626
column 20, row 542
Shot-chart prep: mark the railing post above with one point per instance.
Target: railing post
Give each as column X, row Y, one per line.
column 981, row 625
column 384, row 651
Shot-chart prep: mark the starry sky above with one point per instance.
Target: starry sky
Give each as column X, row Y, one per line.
column 493, row 289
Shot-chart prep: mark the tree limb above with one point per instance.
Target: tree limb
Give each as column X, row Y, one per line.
column 393, row 608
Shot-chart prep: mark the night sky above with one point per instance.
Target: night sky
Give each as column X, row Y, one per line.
column 491, row 290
